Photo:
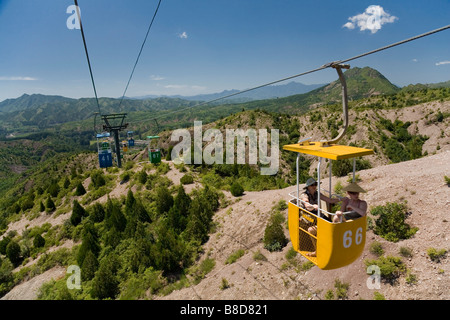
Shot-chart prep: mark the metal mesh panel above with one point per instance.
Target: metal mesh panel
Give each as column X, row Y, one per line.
column 307, row 233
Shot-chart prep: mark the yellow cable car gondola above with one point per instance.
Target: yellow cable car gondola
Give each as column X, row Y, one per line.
column 335, row 244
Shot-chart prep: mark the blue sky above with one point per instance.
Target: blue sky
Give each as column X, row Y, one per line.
column 206, row 46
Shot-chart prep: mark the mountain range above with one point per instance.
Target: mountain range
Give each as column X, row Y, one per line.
column 269, row 92
column 34, row 112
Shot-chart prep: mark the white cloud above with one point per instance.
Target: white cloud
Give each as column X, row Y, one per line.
column 156, row 78
column 349, row 25
column 372, row 19
column 17, row 79
column 183, row 35
column 442, row 62
column 415, row 60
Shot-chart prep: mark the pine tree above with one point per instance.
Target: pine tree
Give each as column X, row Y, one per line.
column 66, row 183
column 97, row 212
column 170, row 249
column 38, row 241
column 177, row 215
column 78, row 213
column 164, row 200
column 53, row 189
column 199, row 221
column 90, row 243
column 182, row 201
column 50, row 205
column 114, row 216
column 80, row 189
column 89, row 267
column 105, row 284
column 129, row 202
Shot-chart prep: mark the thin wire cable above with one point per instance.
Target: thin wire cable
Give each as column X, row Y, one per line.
column 325, row 66
column 140, row 52
column 87, row 54
column 396, row 44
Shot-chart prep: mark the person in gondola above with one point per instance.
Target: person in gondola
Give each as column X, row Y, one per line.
column 309, row 197
column 309, row 200
column 352, row 207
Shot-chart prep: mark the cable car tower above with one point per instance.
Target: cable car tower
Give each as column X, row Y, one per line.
column 113, row 124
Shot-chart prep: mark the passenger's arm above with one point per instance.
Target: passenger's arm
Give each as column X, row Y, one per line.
column 362, row 211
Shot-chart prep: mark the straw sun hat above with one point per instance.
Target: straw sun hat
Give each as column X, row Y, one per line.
column 354, row 187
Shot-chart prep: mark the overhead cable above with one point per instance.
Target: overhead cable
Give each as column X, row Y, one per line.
column 325, row 66
column 87, row 54
column 140, row 52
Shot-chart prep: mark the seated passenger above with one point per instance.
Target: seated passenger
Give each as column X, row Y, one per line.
column 309, row 197
column 310, row 200
column 352, row 207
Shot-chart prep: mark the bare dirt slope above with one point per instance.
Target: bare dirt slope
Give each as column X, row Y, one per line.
column 419, row 182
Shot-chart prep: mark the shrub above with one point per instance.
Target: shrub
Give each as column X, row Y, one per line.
column 235, row 256
column 142, row 176
column 274, row 238
column 97, row 179
column 341, row 289
column 187, row 179
column 225, row 284
column 378, row 296
column 376, row 248
column 13, row 252
column 390, row 267
column 390, row 223
column 447, row 180
column 236, row 189
column 436, row 255
column 406, row 252
column 258, row 256
column 38, row 241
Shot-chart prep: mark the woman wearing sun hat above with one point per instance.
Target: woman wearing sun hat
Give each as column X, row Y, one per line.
column 352, row 207
column 310, row 197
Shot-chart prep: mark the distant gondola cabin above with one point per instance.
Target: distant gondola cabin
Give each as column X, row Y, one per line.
column 154, row 152
column 130, row 139
column 105, row 158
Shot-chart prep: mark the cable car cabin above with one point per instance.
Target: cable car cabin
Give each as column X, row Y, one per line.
column 130, row 139
column 105, row 158
column 336, row 244
column 154, row 153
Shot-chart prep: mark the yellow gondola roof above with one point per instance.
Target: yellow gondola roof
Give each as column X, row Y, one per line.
column 332, row 151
